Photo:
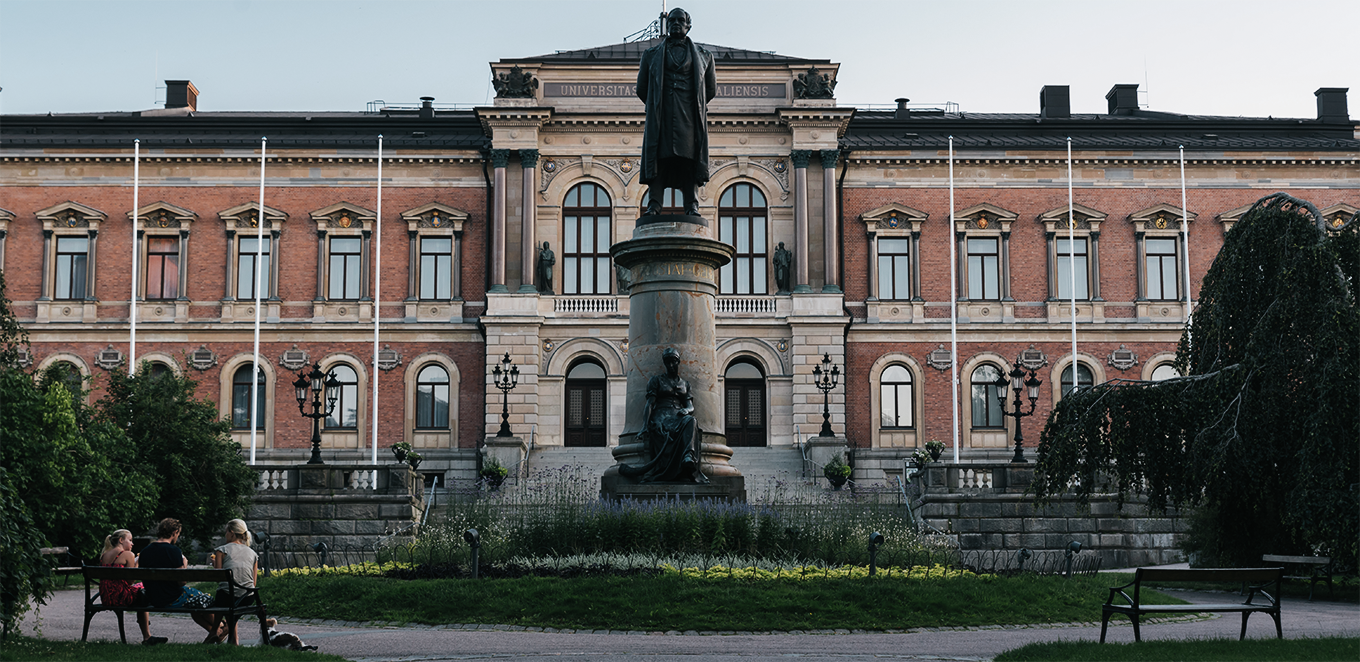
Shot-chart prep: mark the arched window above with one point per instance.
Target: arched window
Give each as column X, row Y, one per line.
column 69, row 375
column 895, row 397
column 240, row 398
column 586, row 237
column 741, row 224
column 1085, row 378
column 158, row 370
column 745, row 407
column 986, row 406
column 345, row 416
column 1164, row 371
column 671, row 201
column 432, row 398
column 586, row 406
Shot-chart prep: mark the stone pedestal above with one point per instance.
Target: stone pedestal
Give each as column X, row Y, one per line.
column 509, row 451
column 820, row 450
column 674, row 261
column 345, row 506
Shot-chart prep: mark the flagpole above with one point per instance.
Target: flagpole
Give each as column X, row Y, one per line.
column 953, row 307
column 377, row 304
column 1072, row 260
column 132, row 301
column 259, row 271
column 1185, row 242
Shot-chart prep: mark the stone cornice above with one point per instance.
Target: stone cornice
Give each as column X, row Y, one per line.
column 857, row 158
column 473, row 157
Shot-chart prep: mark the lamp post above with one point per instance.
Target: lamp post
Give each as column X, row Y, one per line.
column 825, row 378
column 505, row 379
column 316, row 381
column 1017, row 383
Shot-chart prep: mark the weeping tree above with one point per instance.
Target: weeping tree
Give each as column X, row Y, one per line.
column 1259, row 438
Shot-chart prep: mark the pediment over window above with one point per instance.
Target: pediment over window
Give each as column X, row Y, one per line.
column 435, row 216
column 1232, row 216
column 247, row 216
column 1161, row 216
column 344, row 216
column 984, row 216
column 1085, row 218
column 71, row 215
column 5, row 217
column 893, row 218
column 164, row 215
column 1336, row 215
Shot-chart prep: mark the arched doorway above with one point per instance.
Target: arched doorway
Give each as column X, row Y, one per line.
column 586, row 407
column 745, row 405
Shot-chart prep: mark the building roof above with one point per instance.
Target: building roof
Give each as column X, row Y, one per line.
column 632, row 52
column 448, row 130
column 1138, row 130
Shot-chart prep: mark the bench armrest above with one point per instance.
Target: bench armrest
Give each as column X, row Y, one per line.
column 1119, row 590
column 1260, row 589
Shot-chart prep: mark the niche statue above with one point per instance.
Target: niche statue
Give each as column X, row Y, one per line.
column 670, row 432
column 675, row 81
column 544, row 269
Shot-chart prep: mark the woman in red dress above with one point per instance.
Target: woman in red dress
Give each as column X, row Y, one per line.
column 120, row 593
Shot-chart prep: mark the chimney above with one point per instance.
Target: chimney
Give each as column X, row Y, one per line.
column 181, row 94
column 1055, row 102
column 427, row 108
column 1332, row 104
column 902, row 112
column 1123, row 99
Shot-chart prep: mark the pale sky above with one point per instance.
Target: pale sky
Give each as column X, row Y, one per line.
column 1231, row 57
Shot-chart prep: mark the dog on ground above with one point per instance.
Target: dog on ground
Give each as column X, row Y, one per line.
column 285, row 639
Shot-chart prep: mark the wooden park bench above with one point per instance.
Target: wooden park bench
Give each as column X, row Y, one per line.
column 1256, row 580
column 1317, row 569
column 249, row 604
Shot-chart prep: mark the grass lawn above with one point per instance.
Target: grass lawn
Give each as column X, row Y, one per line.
column 1342, row 649
column 672, row 602
column 25, row 648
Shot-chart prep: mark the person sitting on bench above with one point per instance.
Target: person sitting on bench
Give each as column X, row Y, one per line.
column 164, row 554
column 236, row 556
column 119, row 593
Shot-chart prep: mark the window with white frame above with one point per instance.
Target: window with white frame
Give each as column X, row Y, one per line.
column 895, row 397
column 70, row 239
column 984, row 269
column 741, row 224
column 345, row 416
column 249, row 250
column 243, row 232
column 1158, row 235
column 1160, row 269
column 72, row 262
column 587, row 236
column 432, row 398
column 1164, row 371
column 894, row 269
column 240, row 398
column 435, row 232
column 985, row 397
column 1072, row 258
column 1073, row 237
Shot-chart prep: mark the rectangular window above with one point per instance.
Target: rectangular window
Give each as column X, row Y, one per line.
column 162, row 267
column 436, row 268
column 747, row 272
column 1068, row 253
column 72, row 254
column 346, row 261
column 1161, row 269
column 585, row 255
column 240, row 407
column 984, row 272
column 894, row 269
column 895, row 400
column 245, row 268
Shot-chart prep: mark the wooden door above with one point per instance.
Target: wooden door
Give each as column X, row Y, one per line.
column 586, row 412
column 745, row 412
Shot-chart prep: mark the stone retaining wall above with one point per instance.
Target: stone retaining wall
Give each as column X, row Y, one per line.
column 341, row 505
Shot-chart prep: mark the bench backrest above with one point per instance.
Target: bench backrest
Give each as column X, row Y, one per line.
column 1311, row 560
column 1236, row 575
column 97, row 573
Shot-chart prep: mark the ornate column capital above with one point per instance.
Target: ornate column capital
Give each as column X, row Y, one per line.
column 528, row 158
column 801, row 157
column 830, row 157
column 500, row 158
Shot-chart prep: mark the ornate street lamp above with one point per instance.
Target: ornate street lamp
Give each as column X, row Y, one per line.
column 1017, row 383
column 825, row 378
column 505, row 379
column 316, row 382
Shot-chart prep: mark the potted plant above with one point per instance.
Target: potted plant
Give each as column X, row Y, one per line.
column 936, row 448
column 400, row 449
column 920, row 458
column 413, row 458
column 836, row 472
column 493, row 472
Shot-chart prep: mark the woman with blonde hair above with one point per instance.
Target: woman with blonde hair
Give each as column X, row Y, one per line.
column 117, row 553
column 236, row 556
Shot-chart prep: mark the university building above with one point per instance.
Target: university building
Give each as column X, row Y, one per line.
column 840, row 218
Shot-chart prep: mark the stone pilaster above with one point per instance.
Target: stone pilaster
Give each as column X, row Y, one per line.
column 528, row 159
column 499, row 159
column 829, row 221
column 800, row 220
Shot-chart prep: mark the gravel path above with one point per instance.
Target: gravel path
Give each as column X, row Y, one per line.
column 379, row 642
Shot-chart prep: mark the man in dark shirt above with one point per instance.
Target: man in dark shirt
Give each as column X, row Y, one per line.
column 163, row 553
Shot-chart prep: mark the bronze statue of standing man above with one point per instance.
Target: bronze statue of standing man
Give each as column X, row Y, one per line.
column 676, row 82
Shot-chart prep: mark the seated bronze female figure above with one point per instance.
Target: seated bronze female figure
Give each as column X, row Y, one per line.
column 670, row 432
